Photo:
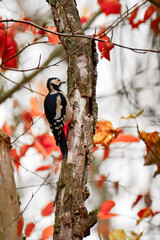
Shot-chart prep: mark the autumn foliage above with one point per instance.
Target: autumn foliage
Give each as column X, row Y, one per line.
column 105, row 135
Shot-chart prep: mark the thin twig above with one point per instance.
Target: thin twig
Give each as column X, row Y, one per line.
column 27, row 129
column 21, row 85
column 27, row 169
column 18, row 53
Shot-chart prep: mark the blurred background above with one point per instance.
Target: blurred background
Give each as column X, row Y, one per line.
column 127, row 84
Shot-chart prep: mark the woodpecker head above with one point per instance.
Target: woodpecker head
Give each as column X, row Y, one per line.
column 54, row 84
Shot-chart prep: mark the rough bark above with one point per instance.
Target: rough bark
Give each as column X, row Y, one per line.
column 9, row 207
column 72, row 220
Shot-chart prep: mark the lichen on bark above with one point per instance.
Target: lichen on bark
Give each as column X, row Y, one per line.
column 72, row 220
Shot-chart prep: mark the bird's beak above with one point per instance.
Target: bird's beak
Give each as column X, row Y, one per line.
column 63, row 82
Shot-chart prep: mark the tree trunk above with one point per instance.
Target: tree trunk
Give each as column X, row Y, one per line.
column 72, row 220
column 9, row 208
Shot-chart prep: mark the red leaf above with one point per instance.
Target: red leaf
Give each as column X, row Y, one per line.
column 20, row 226
column 83, row 20
column 155, row 26
column 48, row 209
column 45, row 144
column 95, row 148
column 155, row 213
column 110, row 6
column 53, row 38
column 126, row 138
column 26, row 117
column 29, row 229
column 43, row 168
column 24, row 149
column 151, row 9
column 106, row 153
column 16, row 158
column 132, row 17
column 139, row 197
column 10, row 50
column 145, row 212
column 47, row 232
column 100, row 179
column 7, row 129
column 105, row 47
column 33, row 30
column 105, row 208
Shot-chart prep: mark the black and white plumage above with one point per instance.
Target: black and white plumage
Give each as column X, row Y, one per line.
column 58, row 112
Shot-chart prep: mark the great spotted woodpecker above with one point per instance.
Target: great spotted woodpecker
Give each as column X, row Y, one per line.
column 58, row 112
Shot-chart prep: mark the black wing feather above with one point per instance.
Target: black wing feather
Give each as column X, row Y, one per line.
column 56, row 125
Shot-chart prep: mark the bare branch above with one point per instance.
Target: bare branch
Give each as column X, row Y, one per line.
column 25, row 80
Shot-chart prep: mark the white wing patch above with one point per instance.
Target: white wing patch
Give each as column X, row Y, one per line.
column 59, row 108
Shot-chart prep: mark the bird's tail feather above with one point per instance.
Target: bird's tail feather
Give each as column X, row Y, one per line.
column 61, row 141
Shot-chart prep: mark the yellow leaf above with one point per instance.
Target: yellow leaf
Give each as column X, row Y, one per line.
column 135, row 236
column 138, row 237
column 117, row 234
column 131, row 116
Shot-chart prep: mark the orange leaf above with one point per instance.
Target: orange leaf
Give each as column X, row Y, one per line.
column 105, row 208
column 105, row 47
column 95, row 148
column 7, row 129
column 33, row 30
column 45, row 144
column 47, row 232
column 139, row 197
column 155, row 26
column 48, row 209
column 126, row 138
column 43, row 168
column 105, row 134
column 29, row 229
column 151, row 138
column 110, row 6
column 20, row 226
column 35, row 109
column 106, row 153
column 53, row 38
